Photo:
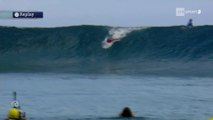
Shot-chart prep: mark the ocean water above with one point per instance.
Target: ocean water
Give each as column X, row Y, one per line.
column 165, row 51
column 62, row 96
column 64, row 73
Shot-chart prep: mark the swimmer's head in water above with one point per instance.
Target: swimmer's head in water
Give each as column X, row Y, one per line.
column 126, row 112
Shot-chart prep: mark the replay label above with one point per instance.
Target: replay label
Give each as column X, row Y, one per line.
column 25, row 14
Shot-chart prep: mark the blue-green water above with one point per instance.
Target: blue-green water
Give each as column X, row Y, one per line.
column 161, row 73
column 167, row 51
column 74, row 96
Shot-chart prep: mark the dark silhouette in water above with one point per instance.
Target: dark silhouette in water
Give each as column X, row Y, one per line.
column 190, row 24
column 126, row 112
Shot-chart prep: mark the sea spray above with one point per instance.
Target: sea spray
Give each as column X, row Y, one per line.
column 119, row 33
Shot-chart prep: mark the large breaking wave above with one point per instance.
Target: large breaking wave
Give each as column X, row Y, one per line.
column 174, row 50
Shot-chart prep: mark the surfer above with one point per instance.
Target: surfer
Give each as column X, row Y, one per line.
column 15, row 113
column 190, row 24
column 110, row 40
column 126, row 112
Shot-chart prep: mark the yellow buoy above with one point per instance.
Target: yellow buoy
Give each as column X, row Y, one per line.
column 13, row 113
column 211, row 118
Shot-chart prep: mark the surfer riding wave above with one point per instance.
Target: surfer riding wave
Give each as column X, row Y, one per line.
column 115, row 35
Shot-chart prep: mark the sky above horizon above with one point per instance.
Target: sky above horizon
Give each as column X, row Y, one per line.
column 108, row 12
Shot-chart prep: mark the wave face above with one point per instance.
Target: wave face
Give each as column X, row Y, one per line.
column 174, row 50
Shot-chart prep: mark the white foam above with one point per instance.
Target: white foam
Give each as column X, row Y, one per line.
column 121, row 32
column 117, row 33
